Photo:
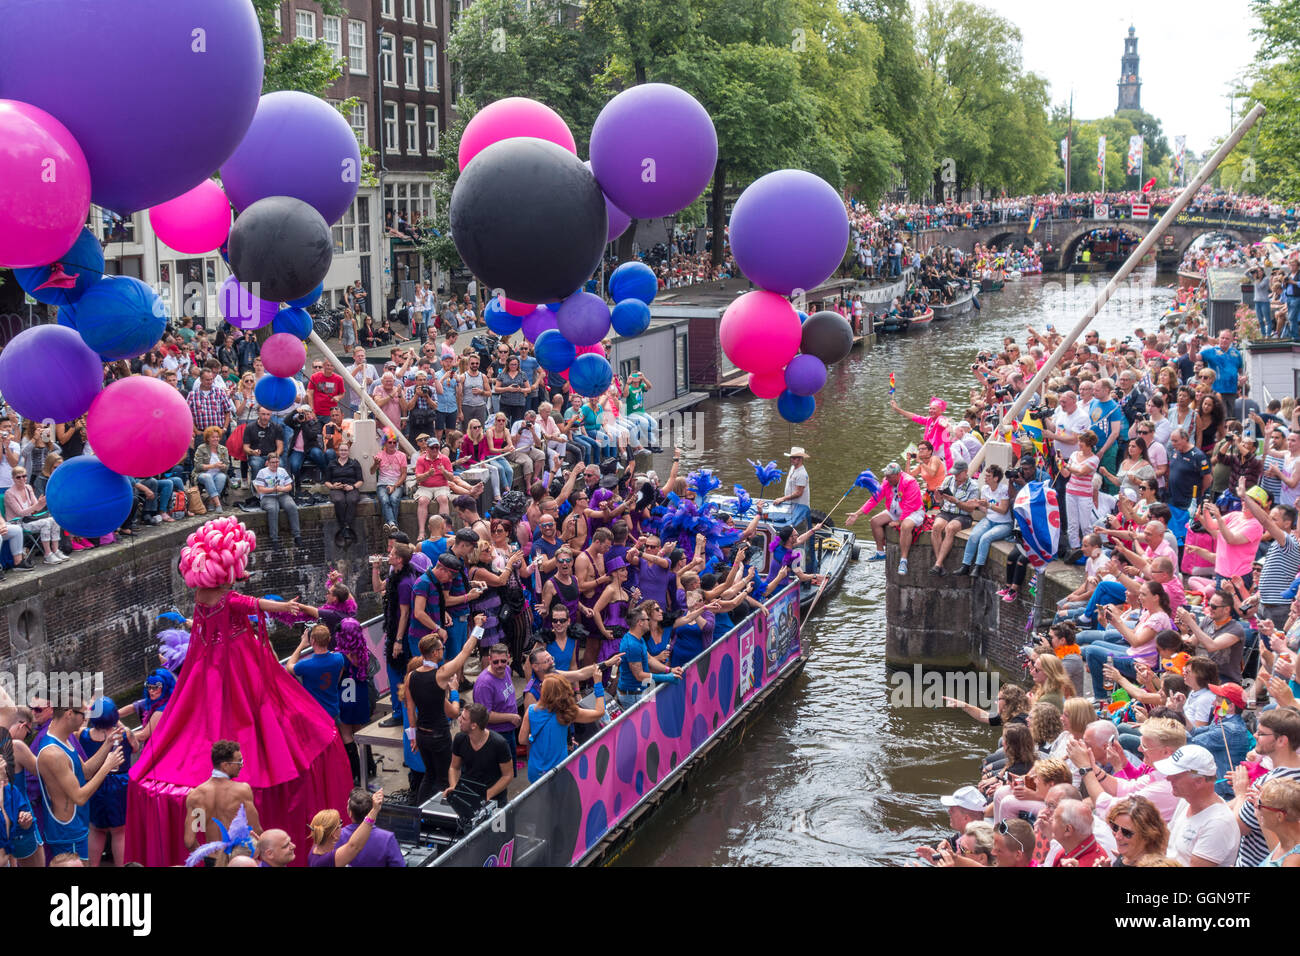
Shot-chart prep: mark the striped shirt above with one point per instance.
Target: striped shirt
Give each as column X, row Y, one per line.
column 1273, row 485
column 1253, row 847
column 1281, row 565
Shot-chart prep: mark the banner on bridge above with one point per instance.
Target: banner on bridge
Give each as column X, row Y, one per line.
column 1100, row 210
column 1141, row 210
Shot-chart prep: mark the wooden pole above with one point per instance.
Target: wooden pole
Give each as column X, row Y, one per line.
column 366, row 400
column 1145, row 246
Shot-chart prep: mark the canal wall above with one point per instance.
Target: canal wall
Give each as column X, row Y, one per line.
column 960, row 622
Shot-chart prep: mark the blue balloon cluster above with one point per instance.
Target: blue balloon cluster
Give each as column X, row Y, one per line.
column 554, row 352
column 275, row 393
column 120, row 318
column 65, row 280
column 590, row 375
column 499, row 320
column 295, row 320
column 88, row 499
column 795, row 408
column 633, row 280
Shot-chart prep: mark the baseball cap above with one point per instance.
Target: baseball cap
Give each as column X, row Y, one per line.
column 1190, row 758
column 450, row 561
column 1232, row 692
column 969, row 798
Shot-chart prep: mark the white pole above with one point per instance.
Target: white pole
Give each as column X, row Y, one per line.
column 366, row 400
column 1145, row 246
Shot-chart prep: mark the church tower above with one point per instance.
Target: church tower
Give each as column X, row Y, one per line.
column 1130, row 87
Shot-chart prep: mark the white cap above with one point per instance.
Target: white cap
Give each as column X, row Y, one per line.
column 1190, row 758
column 968, row 798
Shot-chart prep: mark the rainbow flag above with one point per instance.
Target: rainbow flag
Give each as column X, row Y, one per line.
column 1033, row 222
column 891, row 383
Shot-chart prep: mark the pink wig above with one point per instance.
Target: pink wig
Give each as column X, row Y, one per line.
column 216, row 553
column 938, row 404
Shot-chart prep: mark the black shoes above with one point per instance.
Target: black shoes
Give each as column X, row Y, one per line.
column 937, row 571
column 340, row 539
column 297, row 541
column 964, row 570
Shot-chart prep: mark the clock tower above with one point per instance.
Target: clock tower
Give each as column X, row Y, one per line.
column 1130, row 87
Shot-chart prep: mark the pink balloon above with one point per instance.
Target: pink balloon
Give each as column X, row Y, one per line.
column 241, row 308
column 193, row 222
column 511, row 117
column 44, row 187
column 140, row 426
column 516, row 308
column 768, row 384
column 760, row 332
column 598, row 349
column 283, row 354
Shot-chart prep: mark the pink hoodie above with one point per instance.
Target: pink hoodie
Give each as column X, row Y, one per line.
column 908, row 493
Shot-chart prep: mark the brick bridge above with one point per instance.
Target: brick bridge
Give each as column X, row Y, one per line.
column 1064, row 235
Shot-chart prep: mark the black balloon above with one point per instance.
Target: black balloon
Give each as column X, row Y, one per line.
column 529, row 218
column 827, row 335
column 280, row 248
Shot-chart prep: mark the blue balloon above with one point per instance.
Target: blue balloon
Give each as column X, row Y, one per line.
column 83, row 264
column 553, row 351
column 311, row 298
column 803, row 316
column 499, row 320
column 293, row 320
column 67, row 316
column 796, row 408
column 275, row 393
column 633, row 280
column 630, row 317
column 590, row 375
column 87, row 499
column 120, row 318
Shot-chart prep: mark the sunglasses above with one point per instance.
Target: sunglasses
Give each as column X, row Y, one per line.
column 1116, row 828
column 1006, row 832
column 564, row 561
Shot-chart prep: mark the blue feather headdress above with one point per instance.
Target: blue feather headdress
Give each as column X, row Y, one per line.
column 766, row 474
column 239, row 834
column 744, row 503
column 173, row 645
column 868, row 481
column 703, row 482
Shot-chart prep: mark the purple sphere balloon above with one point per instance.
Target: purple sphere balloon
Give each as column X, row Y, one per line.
column 789, row 231
column 538, row 321
column 197, row 63
column 805, row 375
column 653, row 128
column 241, row 308
column 583, row 318
column 47, row 371
column 618, row 219
column 298, row 145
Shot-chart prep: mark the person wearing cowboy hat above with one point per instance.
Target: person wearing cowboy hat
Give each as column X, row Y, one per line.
column 796, row 483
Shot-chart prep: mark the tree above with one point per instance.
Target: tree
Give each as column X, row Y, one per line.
column 1274, row 162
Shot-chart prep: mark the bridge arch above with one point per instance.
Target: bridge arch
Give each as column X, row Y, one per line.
column 1189, row 235
column 1068, row 246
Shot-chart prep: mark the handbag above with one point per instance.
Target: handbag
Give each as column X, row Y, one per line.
column 195, row 501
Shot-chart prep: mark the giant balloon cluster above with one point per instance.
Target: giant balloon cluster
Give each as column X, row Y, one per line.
column 788, row 233
column 71, row 134
column 531, row 220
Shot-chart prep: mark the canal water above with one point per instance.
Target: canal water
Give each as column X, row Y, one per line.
column 832, row 774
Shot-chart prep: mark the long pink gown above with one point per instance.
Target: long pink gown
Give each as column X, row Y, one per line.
column 233, row 688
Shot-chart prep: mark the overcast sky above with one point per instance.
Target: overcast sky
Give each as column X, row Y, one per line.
column 1190, row 52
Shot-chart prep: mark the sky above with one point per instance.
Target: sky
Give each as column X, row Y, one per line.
column 1190, row 53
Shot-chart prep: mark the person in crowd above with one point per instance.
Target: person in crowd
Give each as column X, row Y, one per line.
column 67, row 783
column 343, row 481
column 547, row 724
column 959, row 497
column 274, row 488
column 997, row 523
column 482, row 763
column 1204, row 829
column 906, row 511
column 328, row 847
column 434, row 698
column 212, row 467
column 1277, row 739
column 21, row 502
column 390, row 465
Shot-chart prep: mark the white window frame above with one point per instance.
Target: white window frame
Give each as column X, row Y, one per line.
column 431, row 13
column 391, row 144
column 431, row 134
column 410, row 63
column 388, row 59
column 411, row 118
column 299, row 19
column 360, row 121
column 430, row 65
column 279, row 20
column 336, row 45
column 408, row 11
column 386, row 9
column 357, row 60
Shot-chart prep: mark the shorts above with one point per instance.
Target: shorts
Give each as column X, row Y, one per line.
column 916, row 517
column 1178, row 518
column 427, row 493
column 23, row 843
column 81, row 848
column 963, row 520
column 445, row 421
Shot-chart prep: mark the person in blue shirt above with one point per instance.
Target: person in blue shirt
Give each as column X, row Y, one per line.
column 546, row 724
column 638, row 668
column 1107, row 424
column 435, row 545
column 321, row 671
column 1226, row 362
column 1227, row 738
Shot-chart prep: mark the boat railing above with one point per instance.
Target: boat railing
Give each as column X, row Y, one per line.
column 563, row 815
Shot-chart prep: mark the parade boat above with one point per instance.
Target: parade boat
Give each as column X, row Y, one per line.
column 589, row 808
column 923, row 319
column 992, row 285
column 963, row 303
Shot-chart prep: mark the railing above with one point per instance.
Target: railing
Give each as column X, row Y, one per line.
column 1070, row 215
column 560, row 818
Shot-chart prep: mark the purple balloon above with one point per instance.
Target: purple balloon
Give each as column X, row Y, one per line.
column 168, row 57
column 47, row 371
column 241, row 308
column 618, row 219
column 583, row 318
column 805, row 375
column 789, row 231
column 537, row 322
column 298, row 145
column 660, row 124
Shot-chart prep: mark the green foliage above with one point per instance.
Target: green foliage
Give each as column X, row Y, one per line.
column 1267, row 162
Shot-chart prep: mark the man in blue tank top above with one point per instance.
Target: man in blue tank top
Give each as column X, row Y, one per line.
column 67, row 784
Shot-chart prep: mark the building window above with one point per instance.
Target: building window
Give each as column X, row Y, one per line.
column 386, row 8
column 431, row 128
column 360, row 122
column 345, row 232
column 431, row 13
column 333, row 36
column 408, row 11
column 430, row 65
column 357, row 47
column 279, row 22
column 388, row 59
column 390, row 128
column 412, row 130
column 363, row 224
column 306, row 23
column 408, row 63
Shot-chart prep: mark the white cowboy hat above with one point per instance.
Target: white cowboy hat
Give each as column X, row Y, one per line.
column 796, row 452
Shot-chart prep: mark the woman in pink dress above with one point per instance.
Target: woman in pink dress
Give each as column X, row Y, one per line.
column 232, row 687
column 938, row 429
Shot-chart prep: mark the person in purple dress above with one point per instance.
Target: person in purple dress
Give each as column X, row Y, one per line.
column 326, row 827
column 381, row 849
